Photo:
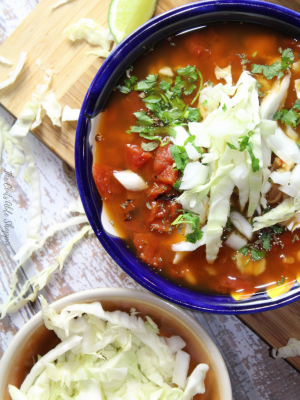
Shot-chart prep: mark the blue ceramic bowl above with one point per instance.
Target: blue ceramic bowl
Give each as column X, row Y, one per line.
column 175, row 20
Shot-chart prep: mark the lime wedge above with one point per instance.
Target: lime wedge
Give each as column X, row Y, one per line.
column 124, row 16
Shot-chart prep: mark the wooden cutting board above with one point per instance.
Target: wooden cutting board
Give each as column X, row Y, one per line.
column 40, row 35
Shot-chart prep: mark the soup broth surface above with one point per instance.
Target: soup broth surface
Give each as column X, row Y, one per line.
column 238, row 45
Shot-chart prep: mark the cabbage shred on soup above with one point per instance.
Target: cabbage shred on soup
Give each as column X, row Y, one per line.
column 196, row 159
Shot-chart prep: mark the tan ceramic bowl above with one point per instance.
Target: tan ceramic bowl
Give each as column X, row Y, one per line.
column 34, row 338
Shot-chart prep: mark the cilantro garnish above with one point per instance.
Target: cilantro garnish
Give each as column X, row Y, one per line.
column 256, row 255
column 166, row 108
column 162, row 143
column 231, row 146
column 193, row 220
column 180, row 156
column 200, row 87
column 257, row 249
column 164, row 85
column 177, row 184
column 190, row 90
column 245, row 144
column 287, row 58
column 224, row 108
column 143, row 117
column 129, row 84
column 289, row 117
column 146, row 84
column 193, row 114
column 270, row 71
column 124, row 89
column 189, row 72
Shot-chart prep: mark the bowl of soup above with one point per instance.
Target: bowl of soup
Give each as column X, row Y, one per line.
column 187, row 156
column 152, row 322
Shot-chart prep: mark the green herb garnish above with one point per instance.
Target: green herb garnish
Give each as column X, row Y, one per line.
column 193, row 220
column 270, row 71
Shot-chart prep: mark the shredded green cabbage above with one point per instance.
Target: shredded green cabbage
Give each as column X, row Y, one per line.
column 109, row 355
column 92, row 32
column 15, row 73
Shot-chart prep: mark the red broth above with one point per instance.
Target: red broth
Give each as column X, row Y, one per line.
column 221, row 45
column 43, row 340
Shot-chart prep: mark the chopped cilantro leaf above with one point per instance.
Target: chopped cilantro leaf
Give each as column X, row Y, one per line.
column 194, row 114
column 254, row 160
column 143, row 117
column 164, row 85
column 269, row 71
column 190, row 139
column 297, row 105
column 180, row 156
column 243, row 250
column 124, row 89
column 193, row 237
column 176, row 155
column 200, row 87
column 177, row 88
column 193, row 220
column 204, row 103
column 149, row 137
column 231, row 146
column 131, row 81
column 177, row 184
column 186, row 71
column 169, row 116
column 289, row 117
column 224, row 108
column 190, row 90
column 277, row 229
column 256, row 254
column 146, row 84
column 152, row 99
column 287, row 57
column 277, row 115
column 139, row 129
column 266, row 239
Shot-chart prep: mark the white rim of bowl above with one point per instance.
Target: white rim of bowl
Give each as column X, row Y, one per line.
column 109, row 293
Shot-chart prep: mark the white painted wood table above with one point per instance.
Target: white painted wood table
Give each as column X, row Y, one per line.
column 254, row 374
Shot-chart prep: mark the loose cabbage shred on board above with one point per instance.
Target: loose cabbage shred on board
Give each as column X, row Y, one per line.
column 19, row 153
column 88, row 29
column 109, row 355
column 15, row 73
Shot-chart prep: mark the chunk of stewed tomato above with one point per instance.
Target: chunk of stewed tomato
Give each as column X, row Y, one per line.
column 168, row 176
column 146, row 246
column 103, row 176
column 158, row 191
column 162, row 214
column 136, row 157
column 163, row 159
